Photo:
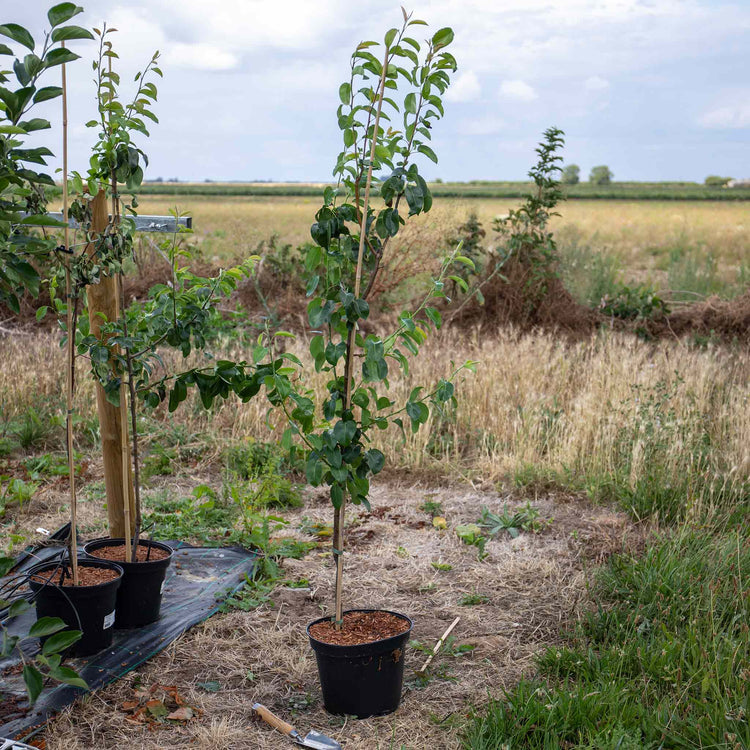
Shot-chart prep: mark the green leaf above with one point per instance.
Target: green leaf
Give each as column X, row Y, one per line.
column 444, row 391
column 48, row 92
column 46, row 626
column 60, row 641
column 442, row 38
column 41, row 220
column 5, row 50
column 71, row 32
column 337, row 495
column 69, row 677
column 12, row 130
column 18, row 34
column 428, row 152
column 390, row 36
column 345, row 93
column 410, row 103
column 375, row 460
column 18, row 607
column 36, row 123
column 62, row 12
column 60, row 56
column 32, row 677
column 434, row 316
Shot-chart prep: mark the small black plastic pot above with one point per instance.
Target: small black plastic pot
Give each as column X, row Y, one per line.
column 139, row 597
column 90, row 609
column 362, row 680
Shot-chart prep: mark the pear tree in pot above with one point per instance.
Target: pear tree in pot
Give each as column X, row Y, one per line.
column 123, row 350
column 24, row 258
column 388, row 109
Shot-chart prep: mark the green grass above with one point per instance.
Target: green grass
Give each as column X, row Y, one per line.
column 472, row 189
column 663, row 660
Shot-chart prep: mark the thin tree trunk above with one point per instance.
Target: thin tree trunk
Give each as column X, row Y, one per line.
column 339, row 518
column 70, row 371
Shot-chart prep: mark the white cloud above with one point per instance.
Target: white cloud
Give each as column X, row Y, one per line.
column 596, row 83
column 465, row 88
column 518, row 90
column 486, row 125
column 731, row 117
column 200, row 57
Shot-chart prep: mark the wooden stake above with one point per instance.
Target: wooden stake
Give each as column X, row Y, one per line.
column 438, row 645
column 339, row 518
column 71, row 340
column 127, row 499
column 103, row 305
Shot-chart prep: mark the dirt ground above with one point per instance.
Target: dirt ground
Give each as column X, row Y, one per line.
column 528, row 587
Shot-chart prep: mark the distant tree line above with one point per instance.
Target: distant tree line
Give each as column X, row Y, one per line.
column 601, row 175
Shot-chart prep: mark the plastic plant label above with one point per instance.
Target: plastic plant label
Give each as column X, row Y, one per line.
column 109, row 620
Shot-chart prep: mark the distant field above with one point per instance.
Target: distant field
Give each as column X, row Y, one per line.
column 699, row 246
column 475, row 189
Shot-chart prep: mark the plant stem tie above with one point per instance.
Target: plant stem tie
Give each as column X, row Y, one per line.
column 337, row 551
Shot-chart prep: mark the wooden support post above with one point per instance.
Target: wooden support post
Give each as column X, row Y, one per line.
column 103, row 300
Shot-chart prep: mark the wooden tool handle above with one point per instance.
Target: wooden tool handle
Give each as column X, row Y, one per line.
column 272, row 719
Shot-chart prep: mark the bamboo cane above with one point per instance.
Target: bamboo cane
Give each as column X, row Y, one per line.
column 340, row 515
column 71, row 340
column 438, row 646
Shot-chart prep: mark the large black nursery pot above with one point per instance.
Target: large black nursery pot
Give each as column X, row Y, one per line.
column 365, row 679
column 139, row 597
column 90, row 609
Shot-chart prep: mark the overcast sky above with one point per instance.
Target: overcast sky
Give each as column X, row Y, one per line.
column 656, row 89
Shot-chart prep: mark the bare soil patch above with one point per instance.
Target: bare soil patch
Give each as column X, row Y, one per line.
column 527, row 590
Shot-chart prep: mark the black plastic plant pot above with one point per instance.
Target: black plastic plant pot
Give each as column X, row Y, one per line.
column 365, row 679
column 90, row 609
column 139, row 597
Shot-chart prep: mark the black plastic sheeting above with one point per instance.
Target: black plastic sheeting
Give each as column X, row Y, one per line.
column 198, row 580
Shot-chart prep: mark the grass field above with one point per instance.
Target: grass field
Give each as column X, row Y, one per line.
column 669, row 191
column 620, row 620
column 692, row 246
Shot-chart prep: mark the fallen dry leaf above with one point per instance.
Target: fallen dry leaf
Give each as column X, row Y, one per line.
column 184, row 713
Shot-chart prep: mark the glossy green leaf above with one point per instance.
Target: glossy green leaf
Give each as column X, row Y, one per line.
column 428, row 152
column 442, row 38
column 62, row 12
column 71, row 32
column 59, row 56
column 46, row 93
column 18, row 34
column 32, row 678
column 60, row 641
column 46, row 626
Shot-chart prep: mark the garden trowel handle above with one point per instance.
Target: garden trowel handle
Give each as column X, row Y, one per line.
column 275, row 721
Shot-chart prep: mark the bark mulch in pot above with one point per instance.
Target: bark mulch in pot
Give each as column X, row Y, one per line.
column 116, row 553
column 360, row 627
column 87, row 576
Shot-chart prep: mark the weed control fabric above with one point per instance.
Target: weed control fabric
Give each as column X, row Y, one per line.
column 198, row 580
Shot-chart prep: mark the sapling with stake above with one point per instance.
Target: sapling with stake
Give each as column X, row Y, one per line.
column 351, row 238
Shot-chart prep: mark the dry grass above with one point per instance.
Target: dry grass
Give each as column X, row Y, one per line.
column 533, row 584
column 639, row 234
column 587, row 408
